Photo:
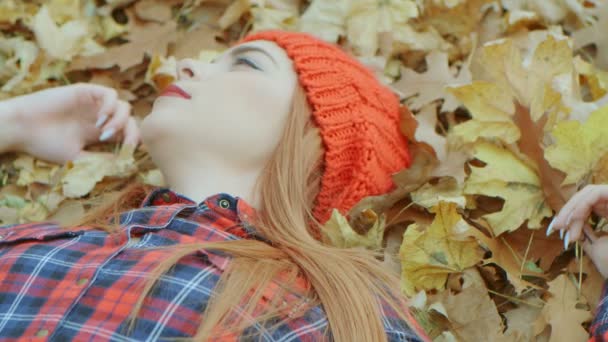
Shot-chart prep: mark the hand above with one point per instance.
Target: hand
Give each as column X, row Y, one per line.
column 597, row 249
column 58, row 123
column 572, row 218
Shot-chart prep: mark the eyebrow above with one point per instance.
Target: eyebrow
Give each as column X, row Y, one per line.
column 246, row 48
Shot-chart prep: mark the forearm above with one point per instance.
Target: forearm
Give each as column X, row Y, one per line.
column 11, row 131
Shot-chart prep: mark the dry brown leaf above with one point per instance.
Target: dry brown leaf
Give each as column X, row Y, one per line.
column 596, row 34
column 149, row 39
column 431, row 85
column 530, row 145
column 153, row 10
column 472, row 313
column 503, row 257
column 519, row 328
column 562, row 313
column 593, row 282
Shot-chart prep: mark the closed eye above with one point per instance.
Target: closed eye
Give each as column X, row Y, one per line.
column 247, row 62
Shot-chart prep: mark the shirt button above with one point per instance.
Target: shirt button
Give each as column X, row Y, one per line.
column 42, row 333
column 1, row 237
column 224, row 203
column 82, row 281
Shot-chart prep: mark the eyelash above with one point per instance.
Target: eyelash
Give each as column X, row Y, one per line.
column 246, row 61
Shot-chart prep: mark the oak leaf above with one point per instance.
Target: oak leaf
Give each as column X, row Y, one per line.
column 431, row 85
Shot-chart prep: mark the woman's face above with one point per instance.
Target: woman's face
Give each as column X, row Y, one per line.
column 236, row 111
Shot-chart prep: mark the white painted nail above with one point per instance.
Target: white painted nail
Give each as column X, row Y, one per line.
column 567, row 240
column 561, row 234
column 105, row 135
column 101, row 120
column 550, row 228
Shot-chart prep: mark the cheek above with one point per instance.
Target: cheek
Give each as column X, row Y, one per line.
column 247, row 113
column 169, row 119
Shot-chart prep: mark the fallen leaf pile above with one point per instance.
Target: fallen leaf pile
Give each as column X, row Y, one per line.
column 505, row 103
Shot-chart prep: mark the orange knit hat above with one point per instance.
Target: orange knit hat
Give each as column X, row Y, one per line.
column 357, row 116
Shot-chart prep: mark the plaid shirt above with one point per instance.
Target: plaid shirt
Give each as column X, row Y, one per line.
column 599, row 327
column 82, row 283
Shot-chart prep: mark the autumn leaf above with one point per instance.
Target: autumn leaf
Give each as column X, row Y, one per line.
column 431, row 85
column 594, row 34
column 507, row 177
column 471, row 312
column 429, row 254
column 446, row 189
column 84, row 173
column 579, row 147
column 562, row 313
column 339, row 233
column 491, row 109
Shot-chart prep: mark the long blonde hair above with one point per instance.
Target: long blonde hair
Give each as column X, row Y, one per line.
column 350, row 283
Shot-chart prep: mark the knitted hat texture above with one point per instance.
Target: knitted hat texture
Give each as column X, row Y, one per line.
column 357, row 116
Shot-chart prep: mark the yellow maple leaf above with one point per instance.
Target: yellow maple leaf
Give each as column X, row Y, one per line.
column 491, row 108
column 338, row 232
column 429, row 254
column 507, row 177
column 579, row 147
column 505, row 75
column 85, row 172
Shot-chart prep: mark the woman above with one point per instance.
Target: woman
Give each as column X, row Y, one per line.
column 290, row 125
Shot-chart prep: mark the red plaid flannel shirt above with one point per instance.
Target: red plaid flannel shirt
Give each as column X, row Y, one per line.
column 82, row 283
column 599, row 326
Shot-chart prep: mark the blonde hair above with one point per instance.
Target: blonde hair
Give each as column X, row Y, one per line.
column 351, row 284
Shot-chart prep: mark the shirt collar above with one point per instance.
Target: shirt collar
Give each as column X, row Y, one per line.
column 231, row 207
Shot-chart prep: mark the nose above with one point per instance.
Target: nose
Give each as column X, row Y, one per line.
column 188, row 69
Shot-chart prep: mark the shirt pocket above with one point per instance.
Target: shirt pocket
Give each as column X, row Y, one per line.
column 36, row 232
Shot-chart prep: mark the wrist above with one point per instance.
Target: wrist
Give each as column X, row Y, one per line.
column 11, row 131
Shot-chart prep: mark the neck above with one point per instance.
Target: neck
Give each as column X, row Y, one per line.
column 199, row 181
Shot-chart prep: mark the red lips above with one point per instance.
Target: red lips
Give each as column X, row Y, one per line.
column 176, row 91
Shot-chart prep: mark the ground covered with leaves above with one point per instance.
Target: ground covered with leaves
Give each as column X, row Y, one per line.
column 508, row 117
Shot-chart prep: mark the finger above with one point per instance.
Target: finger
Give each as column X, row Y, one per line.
column 601, row 209
column 131, row 132
column 588, row 247
column 577, row 210
column 589, row 234
column 575, row 229
column 117, row 122
column 560, row 221
column 109, row 102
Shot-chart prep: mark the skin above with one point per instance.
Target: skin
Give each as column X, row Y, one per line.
column 56, row 124
column 220, row 139
column 572, row 223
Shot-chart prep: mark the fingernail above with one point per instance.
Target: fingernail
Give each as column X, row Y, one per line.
column 550, row 228
column 105, row 135
column 567, row 240
column 101, row 120
column 561, row 234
